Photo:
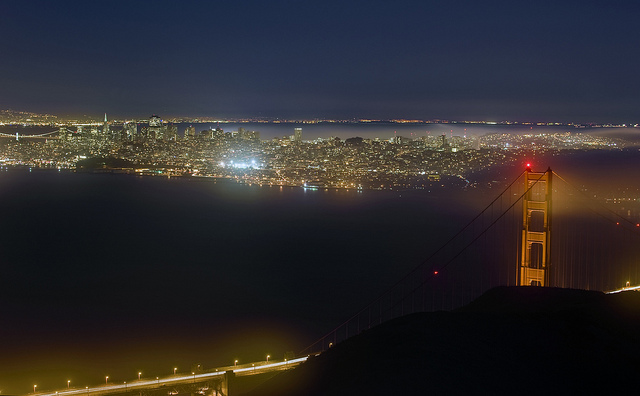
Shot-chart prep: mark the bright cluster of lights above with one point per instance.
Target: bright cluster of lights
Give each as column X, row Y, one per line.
column 240, row 165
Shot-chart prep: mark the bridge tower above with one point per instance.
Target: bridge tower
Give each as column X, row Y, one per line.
column 536, row 229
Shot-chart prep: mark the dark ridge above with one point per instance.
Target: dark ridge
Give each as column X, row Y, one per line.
column 532, row 299
column 509, row 341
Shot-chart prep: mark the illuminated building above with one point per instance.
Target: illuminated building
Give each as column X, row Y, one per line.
column 190, row 132
column 171, row 132
column 105, row 126
column 297, row 135
column 154, row 121
column 156, row 130
column 130, row 130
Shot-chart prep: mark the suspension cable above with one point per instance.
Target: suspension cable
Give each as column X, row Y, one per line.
column 423, row 262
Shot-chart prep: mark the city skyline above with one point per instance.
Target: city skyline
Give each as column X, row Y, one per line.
column 563, row 62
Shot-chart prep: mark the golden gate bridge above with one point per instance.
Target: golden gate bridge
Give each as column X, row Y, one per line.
column 540, row 231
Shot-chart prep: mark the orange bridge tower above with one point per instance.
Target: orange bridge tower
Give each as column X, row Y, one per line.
column 536, row 229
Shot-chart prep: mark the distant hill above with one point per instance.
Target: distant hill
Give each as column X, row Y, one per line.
column 517, row 340
column 13, row 116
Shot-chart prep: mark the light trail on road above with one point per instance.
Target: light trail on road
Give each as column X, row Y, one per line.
column 246, row 369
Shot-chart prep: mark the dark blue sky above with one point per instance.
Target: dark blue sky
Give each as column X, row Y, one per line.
column 534, row 60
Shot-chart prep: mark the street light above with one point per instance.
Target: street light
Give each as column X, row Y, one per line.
column 106, row 380
column 174, row 370
column 194, row 377
column 158, row 379
column 268, row 356
column 139, row 373
column 68, row 383
column 125, row 386
column 235, row 363
column 34, row 388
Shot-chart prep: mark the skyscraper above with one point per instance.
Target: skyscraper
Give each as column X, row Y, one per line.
column 130, row 131
column 297, row 135
column 156, row 129
column 155, row 121
column 105, row 126
column 190, row 132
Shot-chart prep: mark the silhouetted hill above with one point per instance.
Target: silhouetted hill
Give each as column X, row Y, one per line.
column 516, row 340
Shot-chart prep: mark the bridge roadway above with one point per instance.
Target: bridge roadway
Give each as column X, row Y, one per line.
column 177, row 379
column 624, row 289
column 17, row 136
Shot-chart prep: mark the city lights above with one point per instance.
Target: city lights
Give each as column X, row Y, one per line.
column 421, row 161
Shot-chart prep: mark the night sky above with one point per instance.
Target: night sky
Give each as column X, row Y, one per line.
column 489, row 60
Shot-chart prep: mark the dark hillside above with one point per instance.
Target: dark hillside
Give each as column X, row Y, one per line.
column 509, row 341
